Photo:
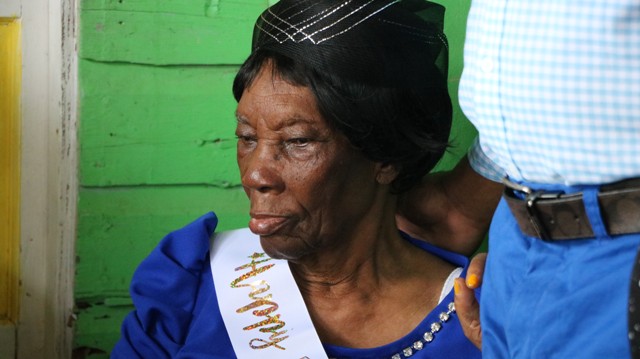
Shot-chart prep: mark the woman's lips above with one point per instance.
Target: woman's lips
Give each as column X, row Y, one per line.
column 266, row 225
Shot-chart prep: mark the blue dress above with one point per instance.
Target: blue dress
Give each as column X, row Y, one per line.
column 177, row 315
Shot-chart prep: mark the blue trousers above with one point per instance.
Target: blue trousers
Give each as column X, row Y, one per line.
column 564, row 299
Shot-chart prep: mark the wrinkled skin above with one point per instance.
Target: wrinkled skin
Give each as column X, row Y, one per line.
column 309, row 188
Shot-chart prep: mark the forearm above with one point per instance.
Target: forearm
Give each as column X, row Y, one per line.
column 450, row 209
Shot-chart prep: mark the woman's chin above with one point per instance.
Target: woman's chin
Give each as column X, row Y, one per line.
column 277, row 247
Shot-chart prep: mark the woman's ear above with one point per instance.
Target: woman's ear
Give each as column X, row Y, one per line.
column 386, row 173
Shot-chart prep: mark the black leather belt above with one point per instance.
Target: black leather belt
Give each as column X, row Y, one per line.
column 559, row 216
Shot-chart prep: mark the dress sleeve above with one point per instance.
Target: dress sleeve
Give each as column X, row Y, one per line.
column 164, row 289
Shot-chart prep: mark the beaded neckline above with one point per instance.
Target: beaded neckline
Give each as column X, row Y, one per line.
column 428, row 336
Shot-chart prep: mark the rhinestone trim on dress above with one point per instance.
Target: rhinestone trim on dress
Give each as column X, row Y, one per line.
column 428, row 336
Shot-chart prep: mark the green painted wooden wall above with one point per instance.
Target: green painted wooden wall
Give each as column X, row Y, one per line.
column 156, row 136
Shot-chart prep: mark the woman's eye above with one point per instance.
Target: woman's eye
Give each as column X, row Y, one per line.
column 245, row 139
column 300, row 142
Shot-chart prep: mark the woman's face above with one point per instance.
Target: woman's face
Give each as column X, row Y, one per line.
column 309, row 188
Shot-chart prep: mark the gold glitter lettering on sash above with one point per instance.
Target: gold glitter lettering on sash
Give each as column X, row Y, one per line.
column 254, row 271
column 270, row 320
column 272, row 324
column 267, row 344
column 256, row 290
column 258, row 303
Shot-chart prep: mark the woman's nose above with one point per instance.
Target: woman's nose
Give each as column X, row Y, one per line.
column 261, row 169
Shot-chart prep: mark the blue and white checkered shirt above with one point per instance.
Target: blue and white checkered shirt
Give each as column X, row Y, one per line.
column 553, row 87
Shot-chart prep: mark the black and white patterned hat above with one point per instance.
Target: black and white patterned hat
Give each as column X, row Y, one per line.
column 364, row 40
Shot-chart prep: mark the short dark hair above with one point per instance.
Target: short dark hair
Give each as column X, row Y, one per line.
column 404, row 127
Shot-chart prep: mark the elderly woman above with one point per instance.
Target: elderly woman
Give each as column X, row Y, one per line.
column 342, row 106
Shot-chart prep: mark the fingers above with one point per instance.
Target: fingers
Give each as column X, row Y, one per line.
column 468, row 310
column 467, row 306
column 476, row 271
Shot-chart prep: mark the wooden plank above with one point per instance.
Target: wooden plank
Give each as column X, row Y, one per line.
column 182, row 7
column 7, row 341
column 210, row 8
column 166, row 32
column 97, row 329
column 175, row 126
column 10, row 77
column 118, row 228
column 10, row 9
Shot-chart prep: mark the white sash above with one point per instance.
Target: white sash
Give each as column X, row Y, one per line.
column 261, row 305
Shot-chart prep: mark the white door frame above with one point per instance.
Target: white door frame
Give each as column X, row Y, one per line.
column 48, row 176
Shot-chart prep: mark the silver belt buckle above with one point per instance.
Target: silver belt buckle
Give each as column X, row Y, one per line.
column 530, row 199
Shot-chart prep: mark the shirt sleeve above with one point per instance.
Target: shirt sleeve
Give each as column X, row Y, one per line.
column 163, row 290
column 482, row 164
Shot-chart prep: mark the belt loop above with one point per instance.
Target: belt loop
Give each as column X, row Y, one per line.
column 592, row 208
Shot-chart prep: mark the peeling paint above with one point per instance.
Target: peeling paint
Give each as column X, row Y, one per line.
column 211, row 8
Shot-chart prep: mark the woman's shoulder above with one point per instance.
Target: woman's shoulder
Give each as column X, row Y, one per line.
column 172, row 270
column 459, row 260
column 188, row 246
column 165, row 289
